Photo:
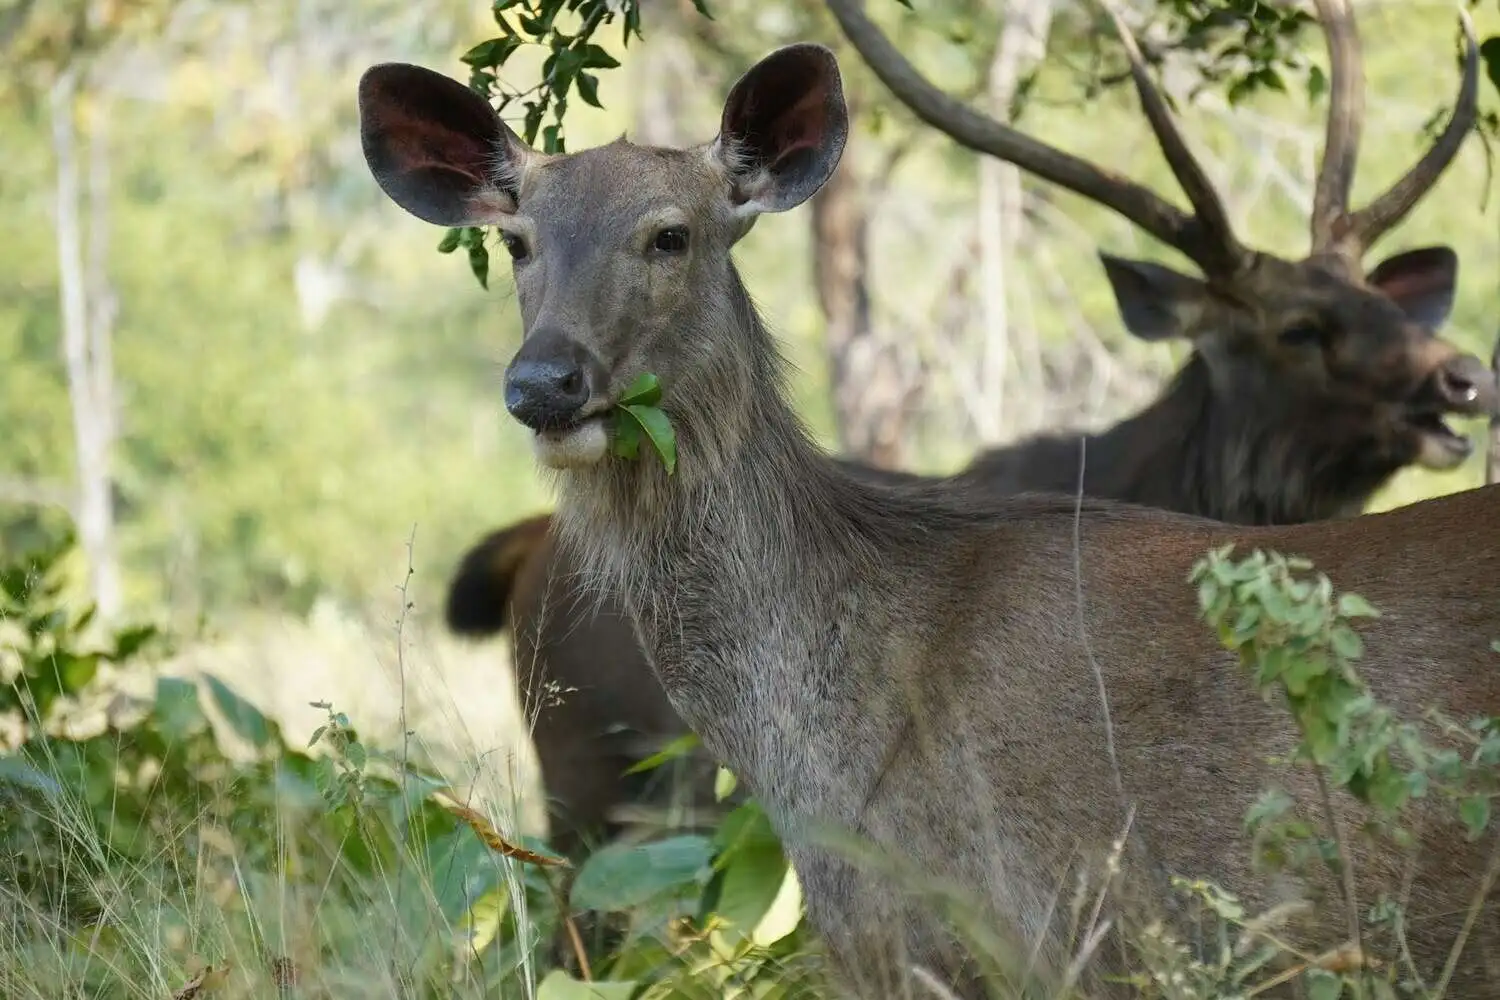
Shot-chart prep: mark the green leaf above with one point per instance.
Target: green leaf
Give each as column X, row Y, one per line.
column 724, row 784
column 619, row 877
column 588, row 88
column 594, row 57
column 481, row 922
column 1323, row 985
column 1354, row 606
column 784, row 913
column 1489, row 51
column 1475, row 813
column 243, row 717
column 659, row 429
column 17, row 772
column 626, row 439
column 751, row 882
column 178, row 713
column 558, row 985
column 479, row 263
column 1317, row 83
column 130, row 641
column 74, row 671
column 680, row 747
column 481, row 54
column 451, row 240
column 645, row 391
column 701, row 6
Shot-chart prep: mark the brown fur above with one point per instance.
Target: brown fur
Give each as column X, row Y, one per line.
column 919, row 664
column 1252, row 430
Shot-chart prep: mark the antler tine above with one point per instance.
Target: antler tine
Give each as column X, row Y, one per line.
column 1220, row 244
column 1373, row 221
column 1346, row 113
column 983, row 134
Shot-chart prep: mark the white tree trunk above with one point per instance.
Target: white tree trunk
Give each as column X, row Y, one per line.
column 87, row 329
column 1023, row 41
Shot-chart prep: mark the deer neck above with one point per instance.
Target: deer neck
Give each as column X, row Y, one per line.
column 1237, row 454
column 737, row 571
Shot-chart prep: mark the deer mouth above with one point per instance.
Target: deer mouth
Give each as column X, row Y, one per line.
column 577, row 444
column 1440, row 446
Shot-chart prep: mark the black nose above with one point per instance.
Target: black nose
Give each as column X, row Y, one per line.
column 1468, row 385
column 545, row 393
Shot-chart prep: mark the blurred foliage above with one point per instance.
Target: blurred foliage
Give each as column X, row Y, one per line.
column 196, row 779
column 301, row 380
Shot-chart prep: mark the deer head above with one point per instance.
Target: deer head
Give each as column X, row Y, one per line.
column 1321, row 333
column 627, row 279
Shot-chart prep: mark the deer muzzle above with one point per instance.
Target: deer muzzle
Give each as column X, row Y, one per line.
column 550, row 381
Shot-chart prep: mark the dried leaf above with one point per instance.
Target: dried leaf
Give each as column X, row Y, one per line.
column 211, row 978
column 491, row 837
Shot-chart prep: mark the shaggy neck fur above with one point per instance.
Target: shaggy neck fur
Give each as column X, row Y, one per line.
column 1239, row 454
column 723, row 564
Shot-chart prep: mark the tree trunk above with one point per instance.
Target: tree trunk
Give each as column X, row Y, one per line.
column 87, row 320
column 1023, row 41
column 868, row 383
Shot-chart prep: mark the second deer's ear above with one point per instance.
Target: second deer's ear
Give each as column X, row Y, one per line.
column 436, row 148
column 1421, row 281
column 783, row 130
column 1156, row 302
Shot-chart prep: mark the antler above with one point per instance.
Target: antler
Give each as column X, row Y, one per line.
column 1205, row 237
column 1334, row 227
column 1346, row 114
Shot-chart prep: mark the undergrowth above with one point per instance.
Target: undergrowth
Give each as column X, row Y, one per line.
column 183, row 845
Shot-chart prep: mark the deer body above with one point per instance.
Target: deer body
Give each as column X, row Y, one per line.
column 1253, row 429
column 946, row 710
column 914, row 664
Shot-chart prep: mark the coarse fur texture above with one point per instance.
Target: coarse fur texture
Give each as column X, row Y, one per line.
column 1296, row 405
column 914, row 664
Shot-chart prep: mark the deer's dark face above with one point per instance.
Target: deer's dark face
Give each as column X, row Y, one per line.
column 1350, row 353
column 621, row 254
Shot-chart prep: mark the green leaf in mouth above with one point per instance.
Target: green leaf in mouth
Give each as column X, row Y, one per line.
column 636, row 414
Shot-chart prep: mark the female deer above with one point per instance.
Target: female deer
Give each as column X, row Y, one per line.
column 914, row 665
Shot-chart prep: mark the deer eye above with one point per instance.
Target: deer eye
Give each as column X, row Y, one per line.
column 1302, row 335
column 671, row 240
column 514, row 244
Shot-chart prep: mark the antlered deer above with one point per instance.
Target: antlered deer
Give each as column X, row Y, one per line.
column 915, row 665
column 1293, row 407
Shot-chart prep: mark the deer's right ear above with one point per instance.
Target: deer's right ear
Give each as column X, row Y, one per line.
column 783, row 130
column 436, row 148
column 1156, row 302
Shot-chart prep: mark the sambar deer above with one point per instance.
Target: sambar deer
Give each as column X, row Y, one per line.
column 1270, row 421
column 920, row 666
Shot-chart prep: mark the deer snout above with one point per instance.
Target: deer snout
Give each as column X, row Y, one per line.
column 549, row 381
column 1467, row 385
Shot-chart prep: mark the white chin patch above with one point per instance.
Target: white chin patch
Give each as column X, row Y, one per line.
column 573, row 448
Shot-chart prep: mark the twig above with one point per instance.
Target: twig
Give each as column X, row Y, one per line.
column 574, row 938
column 1491, row 872
column 1346, row 863
column 405, row 591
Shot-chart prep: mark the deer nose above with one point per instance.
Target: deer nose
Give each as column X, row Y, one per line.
column 1468, row 385
column 545, row 393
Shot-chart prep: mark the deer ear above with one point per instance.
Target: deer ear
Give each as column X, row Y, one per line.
column 1156, row 302
column 1422, row 282
column 436, row 148
column 783, row 129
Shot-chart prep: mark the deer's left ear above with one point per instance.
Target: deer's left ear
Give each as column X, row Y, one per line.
column 1421, row 281
column 783, row 130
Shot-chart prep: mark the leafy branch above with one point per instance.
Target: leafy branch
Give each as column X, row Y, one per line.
column 574, row 59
